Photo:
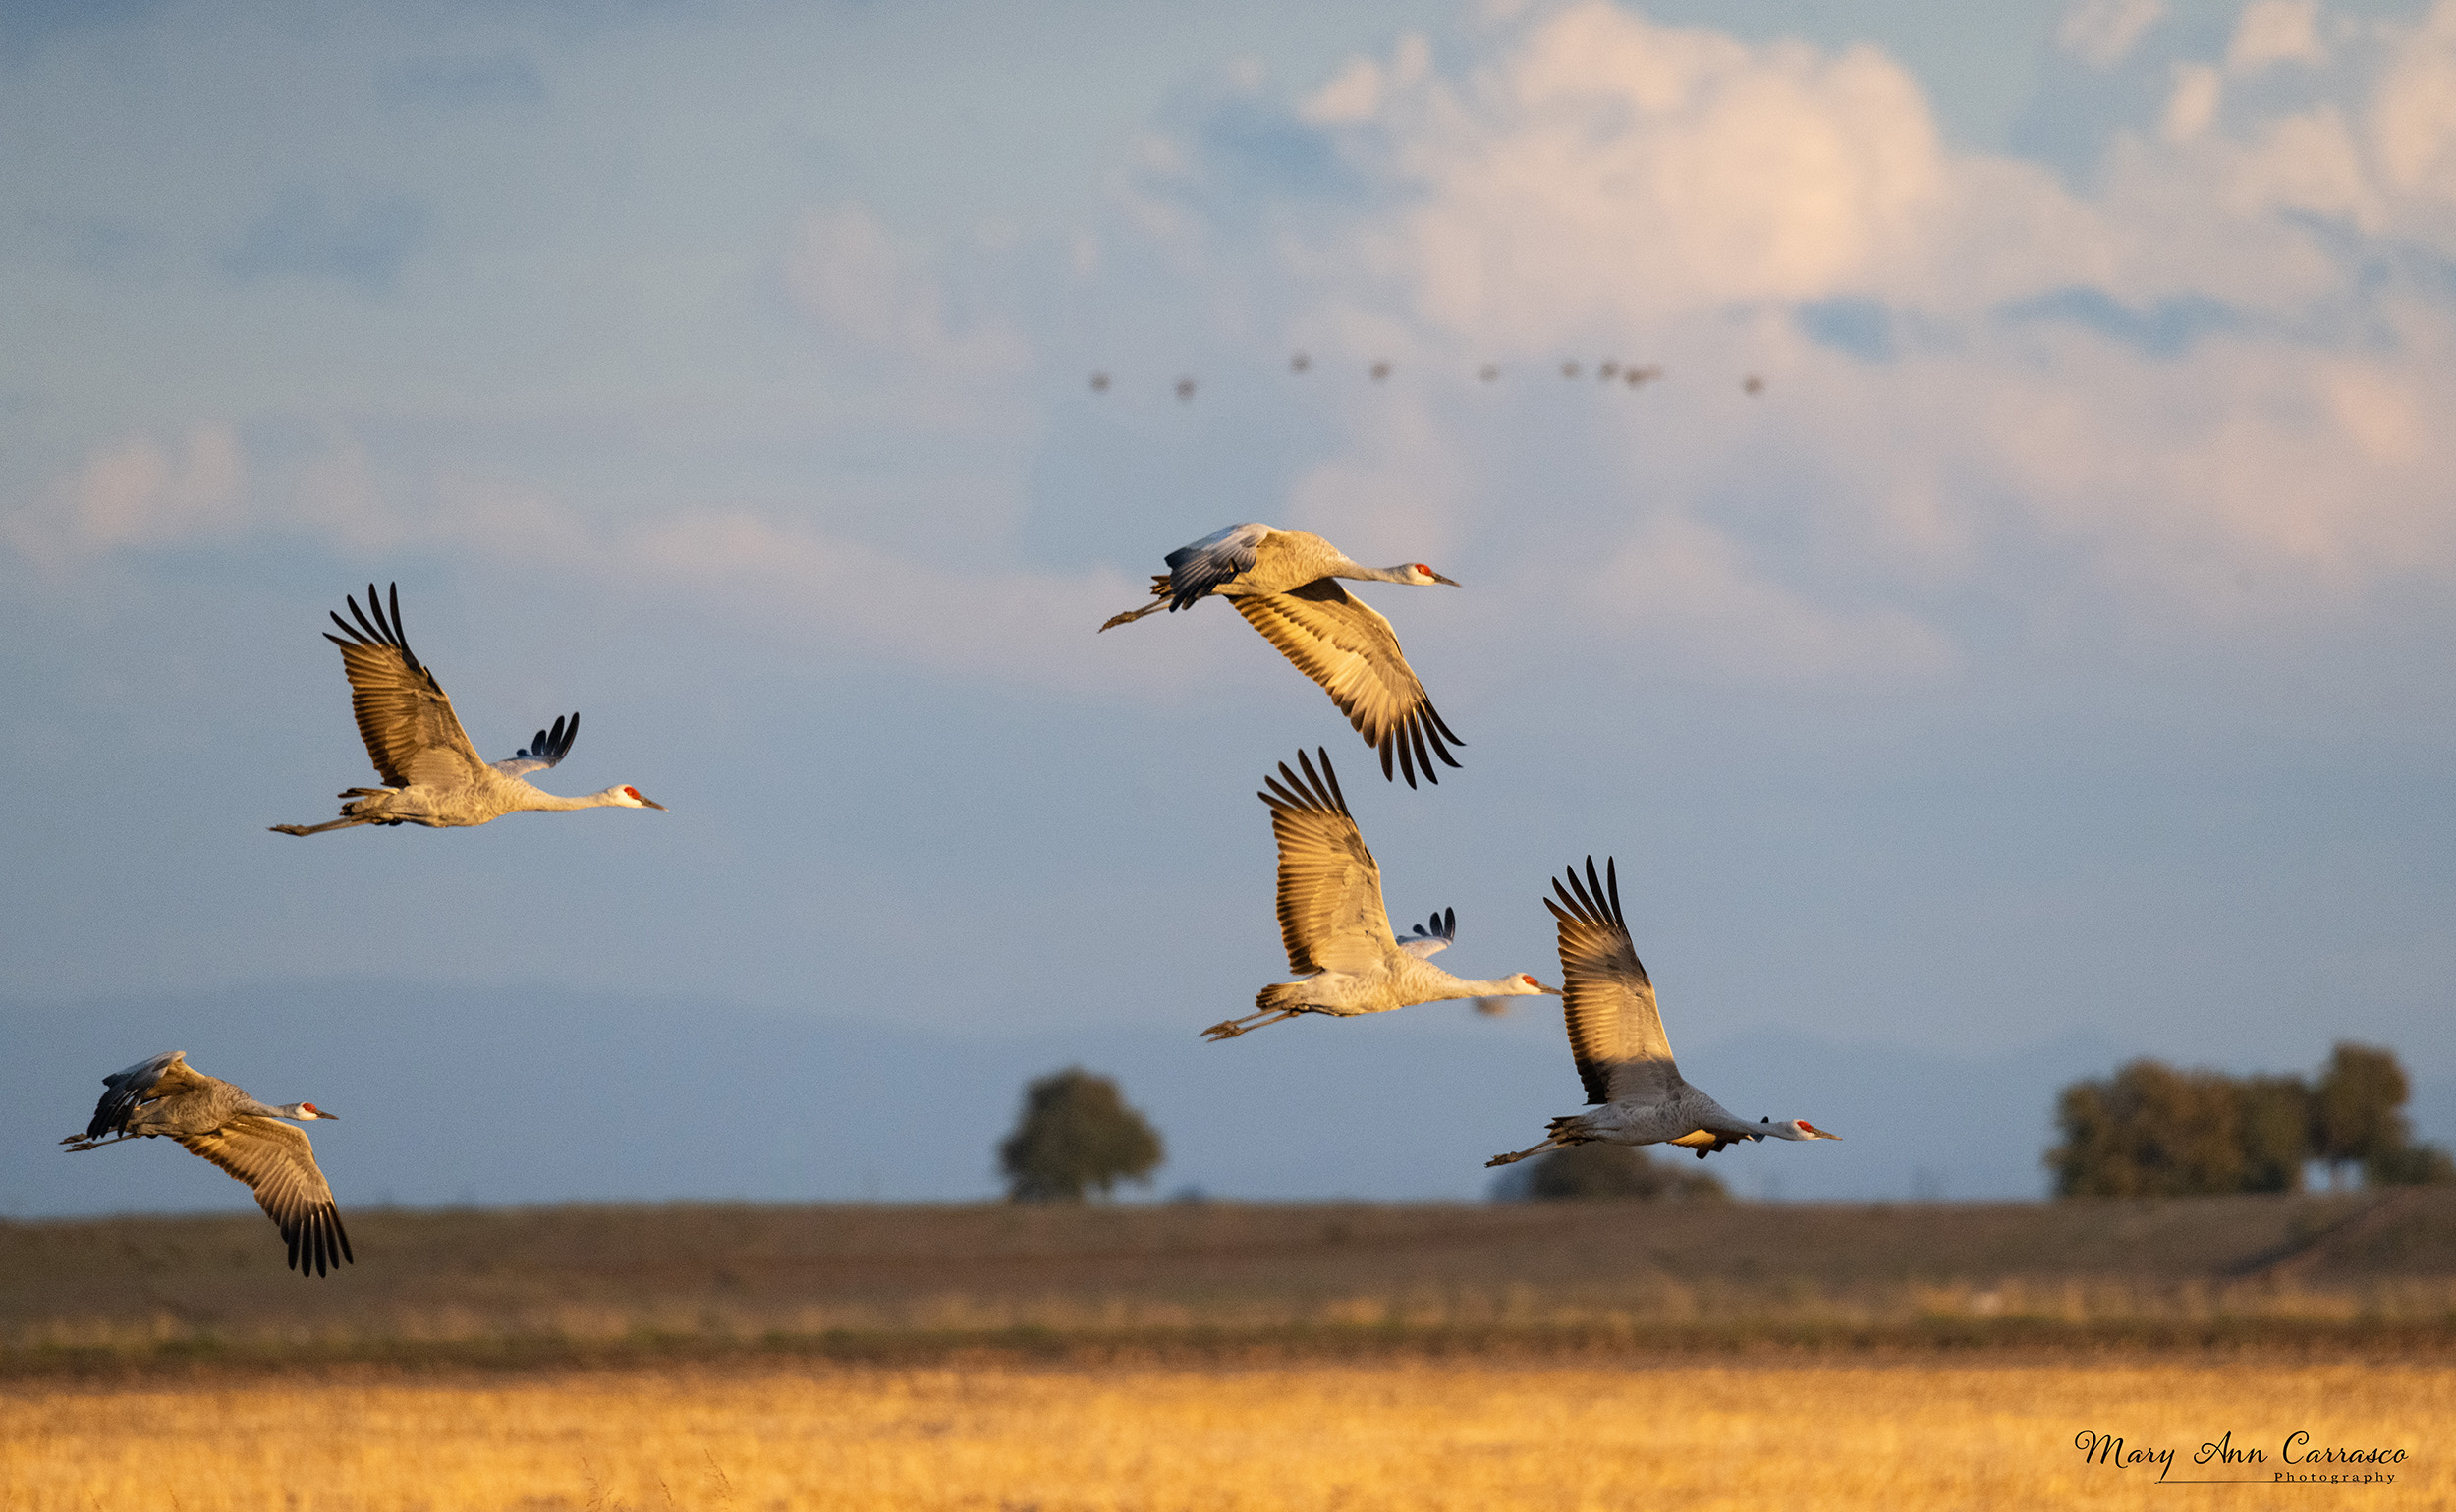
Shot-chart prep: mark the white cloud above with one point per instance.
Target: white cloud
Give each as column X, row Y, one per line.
column 1688, row 591
column 1648, row 167
column 2274, row 31
column 2102, row 33
column 847, row 269
column 2177, row 385
column 137, row 492
column 2191, row 102
column 2413, row 115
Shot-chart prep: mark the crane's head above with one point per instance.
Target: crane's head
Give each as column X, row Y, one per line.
column 1795, row 1128
column 629, row 798
column 1420, row 575
column 1523, row 985
column 307, row 1110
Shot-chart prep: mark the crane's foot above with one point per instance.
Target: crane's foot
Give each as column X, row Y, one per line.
column 317, row 829
column 79, row 1143
column 1514, row 1158
column 1132, row 615
column 1230, row 1029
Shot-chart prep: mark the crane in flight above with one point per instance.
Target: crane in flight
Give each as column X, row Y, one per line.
column 211, row 1117
column 1616, row 1037
column 1285, row 582
column 431, row 774
column 1333, row 922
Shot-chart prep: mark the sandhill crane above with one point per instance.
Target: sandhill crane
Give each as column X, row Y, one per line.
column 1333, row 922
column 1285, row 582
column 432, row 772
column 214, row 1119
column 1616, row 1035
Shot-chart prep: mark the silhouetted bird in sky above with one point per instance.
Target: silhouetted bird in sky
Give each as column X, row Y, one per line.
column 1185, row 390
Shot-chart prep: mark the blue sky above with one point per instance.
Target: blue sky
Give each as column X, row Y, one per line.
column 2055, row 651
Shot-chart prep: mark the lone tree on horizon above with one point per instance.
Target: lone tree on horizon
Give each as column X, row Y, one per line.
column 2355, row 1112
column 1076, row 1132
column 2150, row 1130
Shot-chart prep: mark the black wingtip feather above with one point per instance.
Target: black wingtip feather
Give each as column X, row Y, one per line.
column 377, row 634
column 1416, row 738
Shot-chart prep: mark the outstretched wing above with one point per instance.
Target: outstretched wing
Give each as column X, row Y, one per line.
column 405, row 717
column 1615, row 1032
column 1341, row 643
column 277, row 1161
column 157, row 1076
column 1431, row 939
column 547, row 748
column 1330, row 911
column 1217, row 558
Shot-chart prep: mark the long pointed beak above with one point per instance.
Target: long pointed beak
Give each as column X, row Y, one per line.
column 1549, row 991
column 654, row 803
column 1452, row 581
column 320, row 1113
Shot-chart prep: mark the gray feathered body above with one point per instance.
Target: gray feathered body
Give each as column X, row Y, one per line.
column 1681, row 1114
column 134, row 1108
column 1396, row 980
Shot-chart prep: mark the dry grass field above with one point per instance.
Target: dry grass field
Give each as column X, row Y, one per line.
column 570, row 1285
column 1907, row 1435
column 1226, row 1356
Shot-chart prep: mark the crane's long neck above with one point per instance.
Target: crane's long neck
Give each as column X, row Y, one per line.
column 536, row 800
column 1429, row 984
column 1405, row 572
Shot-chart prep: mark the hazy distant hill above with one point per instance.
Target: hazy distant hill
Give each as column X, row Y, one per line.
column 487, row 1097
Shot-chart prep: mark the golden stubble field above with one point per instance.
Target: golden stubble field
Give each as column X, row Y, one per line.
column 1905, row 1433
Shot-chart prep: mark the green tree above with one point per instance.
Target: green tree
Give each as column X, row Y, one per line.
column 2355, row 1115
column 1075, row 1133
column 2151, row 1131
column 2274, row 1115
column 1596, row 1169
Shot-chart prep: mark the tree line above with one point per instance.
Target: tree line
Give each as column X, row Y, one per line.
column 2151, row 1130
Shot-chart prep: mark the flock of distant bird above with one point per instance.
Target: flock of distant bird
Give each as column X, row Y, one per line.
column 1609, row 371
column 1337, row 931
